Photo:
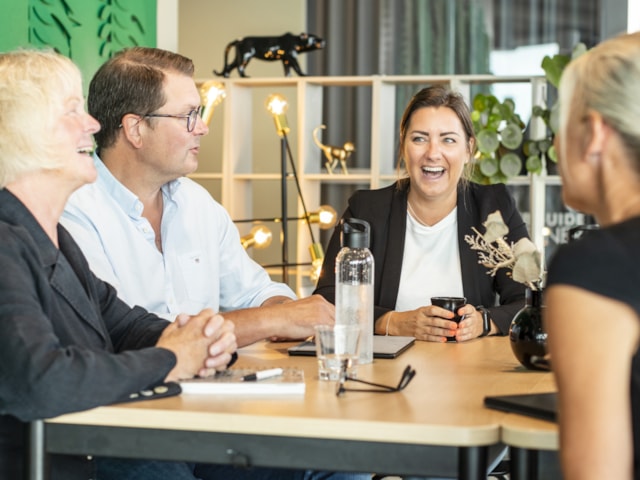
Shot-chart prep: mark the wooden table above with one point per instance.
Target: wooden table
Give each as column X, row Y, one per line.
column 437, row 426
column 534, row 446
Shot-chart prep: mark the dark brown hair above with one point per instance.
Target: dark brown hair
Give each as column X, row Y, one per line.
column 131, row 82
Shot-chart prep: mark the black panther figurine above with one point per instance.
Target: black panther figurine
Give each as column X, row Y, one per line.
column 285, row 47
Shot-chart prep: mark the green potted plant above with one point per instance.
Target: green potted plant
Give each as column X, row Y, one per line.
column 499, row 130
column 538, row 151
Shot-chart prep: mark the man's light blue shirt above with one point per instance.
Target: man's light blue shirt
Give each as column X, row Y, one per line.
column 202, row 265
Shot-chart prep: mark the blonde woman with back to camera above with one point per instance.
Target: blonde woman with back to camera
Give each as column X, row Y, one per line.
column 593, row 299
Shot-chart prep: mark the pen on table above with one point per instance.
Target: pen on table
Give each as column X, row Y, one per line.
column 262, row 374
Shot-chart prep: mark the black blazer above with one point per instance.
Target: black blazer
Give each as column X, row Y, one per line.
column 67, row 343
column 386, row 211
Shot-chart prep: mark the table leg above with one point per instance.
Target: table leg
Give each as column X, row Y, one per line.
column 472, row 463
column 524, row 464
column 35, row 455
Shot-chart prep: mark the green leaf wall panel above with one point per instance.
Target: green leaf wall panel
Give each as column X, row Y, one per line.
column 87, row 31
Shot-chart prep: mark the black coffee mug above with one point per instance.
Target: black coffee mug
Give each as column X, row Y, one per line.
column 453, row 304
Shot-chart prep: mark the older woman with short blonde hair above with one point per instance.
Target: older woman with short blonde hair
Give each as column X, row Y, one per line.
column 67, row 343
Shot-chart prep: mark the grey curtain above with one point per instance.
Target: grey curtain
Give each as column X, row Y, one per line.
column 433, row 37
column 389, row 37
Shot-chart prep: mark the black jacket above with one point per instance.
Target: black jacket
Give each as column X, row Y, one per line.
column 386, row 211
column 67, row 343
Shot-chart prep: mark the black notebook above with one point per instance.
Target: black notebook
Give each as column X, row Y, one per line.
column 383, row 346
column 538, row 405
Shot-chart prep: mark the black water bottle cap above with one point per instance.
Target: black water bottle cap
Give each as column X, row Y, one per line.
column 354, row 233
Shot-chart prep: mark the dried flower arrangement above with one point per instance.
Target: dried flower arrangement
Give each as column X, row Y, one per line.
column 494, row 252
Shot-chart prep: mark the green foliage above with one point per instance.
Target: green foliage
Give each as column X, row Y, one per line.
column 52, row 25
column 499, row 130
column 499, row 134
column 120, row 27
column 87, row 31
column 554, row 66
column 537, row 151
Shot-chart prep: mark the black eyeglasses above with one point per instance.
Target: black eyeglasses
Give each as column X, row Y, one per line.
column 405, row 379
column 192, row 117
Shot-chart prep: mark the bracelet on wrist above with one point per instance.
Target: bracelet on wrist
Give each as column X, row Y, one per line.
column 386, row 329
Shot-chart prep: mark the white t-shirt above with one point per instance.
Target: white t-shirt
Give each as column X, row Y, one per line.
column 431, row 263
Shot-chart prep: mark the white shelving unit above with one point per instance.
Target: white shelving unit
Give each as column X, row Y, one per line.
column 249, row 167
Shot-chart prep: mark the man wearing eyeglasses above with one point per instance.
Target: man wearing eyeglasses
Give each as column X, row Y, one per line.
column 157, row 236
column 160, row 238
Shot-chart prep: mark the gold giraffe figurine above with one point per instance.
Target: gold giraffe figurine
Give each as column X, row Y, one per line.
column 333, row 153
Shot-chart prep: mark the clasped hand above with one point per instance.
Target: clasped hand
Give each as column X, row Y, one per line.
column 202, row 344
column 434, row 324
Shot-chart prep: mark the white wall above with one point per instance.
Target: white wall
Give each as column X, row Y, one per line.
column 206, row 26
column 633, row 16
column 167, row 25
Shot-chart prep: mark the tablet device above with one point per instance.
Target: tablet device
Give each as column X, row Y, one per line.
column 383, row 347
column 538, row 405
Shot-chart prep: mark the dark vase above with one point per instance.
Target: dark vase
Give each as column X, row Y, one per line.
column 528, row 340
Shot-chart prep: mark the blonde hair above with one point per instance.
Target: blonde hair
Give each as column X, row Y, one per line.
column 605, row 79
column 33, row 87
